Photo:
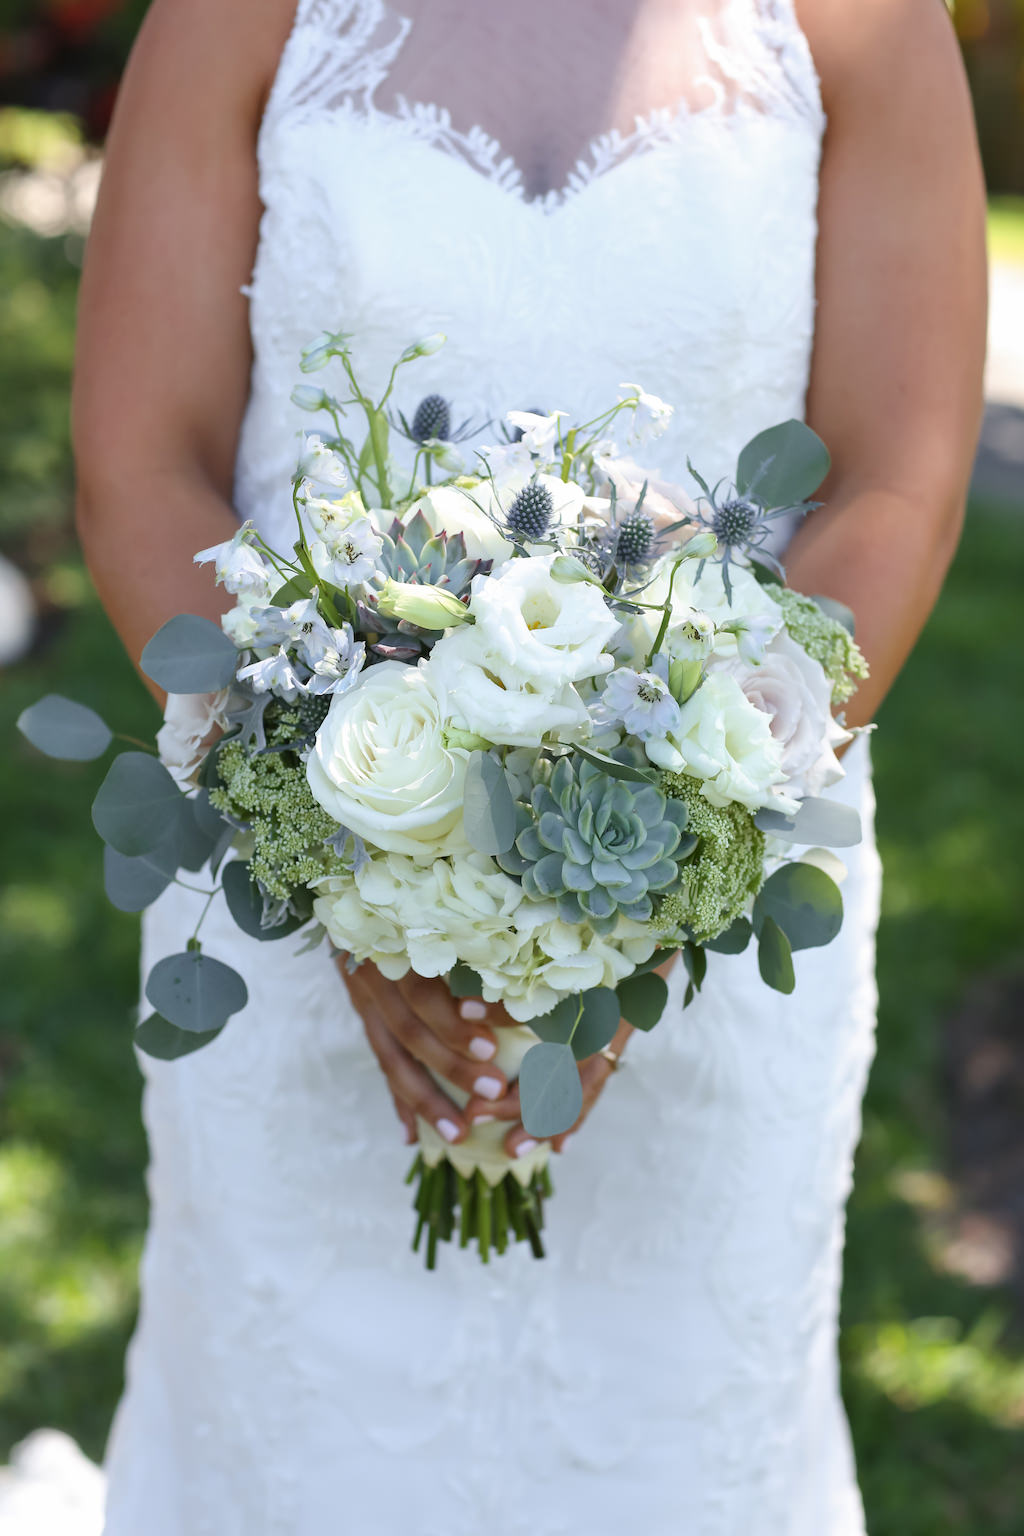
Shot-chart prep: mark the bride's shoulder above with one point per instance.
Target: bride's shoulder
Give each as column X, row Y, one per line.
column 237, row 43
column 878, row 54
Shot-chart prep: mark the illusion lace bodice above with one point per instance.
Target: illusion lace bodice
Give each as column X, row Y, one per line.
column 670, row 1368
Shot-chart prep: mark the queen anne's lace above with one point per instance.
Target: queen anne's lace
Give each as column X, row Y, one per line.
column 671, row 1366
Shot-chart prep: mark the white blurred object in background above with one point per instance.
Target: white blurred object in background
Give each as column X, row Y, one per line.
column 50, row 1489
column 17, row 613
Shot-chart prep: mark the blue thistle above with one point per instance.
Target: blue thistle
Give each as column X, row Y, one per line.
column 529, row 516
column 634, row 538
column 433, row 419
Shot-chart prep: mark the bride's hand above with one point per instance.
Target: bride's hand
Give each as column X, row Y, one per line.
column 415, row 1024
column 594, row 1074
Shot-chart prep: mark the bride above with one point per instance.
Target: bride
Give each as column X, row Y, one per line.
column 759, row 212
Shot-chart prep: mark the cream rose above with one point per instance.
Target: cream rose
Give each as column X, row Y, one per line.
column 727, row 742
column 380, row 765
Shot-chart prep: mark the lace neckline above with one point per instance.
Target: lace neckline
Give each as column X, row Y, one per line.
column 340, row 52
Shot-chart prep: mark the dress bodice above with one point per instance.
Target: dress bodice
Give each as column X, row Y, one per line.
column 679, row 255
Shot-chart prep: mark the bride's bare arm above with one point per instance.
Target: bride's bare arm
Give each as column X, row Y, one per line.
column 163, row 344
column 896, row 380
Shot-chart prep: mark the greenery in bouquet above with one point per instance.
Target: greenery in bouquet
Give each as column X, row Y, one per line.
column 533, row 723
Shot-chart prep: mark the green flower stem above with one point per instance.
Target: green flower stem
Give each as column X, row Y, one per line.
column 143, row 746
column 206, row 907
column 449, row 1205
column 666, row 615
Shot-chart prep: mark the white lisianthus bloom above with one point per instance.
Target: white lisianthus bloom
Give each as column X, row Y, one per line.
column 320, row 463
column 545, row 631
column 239, row 568
column 651, row 416
column 515, row 714
column 792, row 690
column 725, row 741
column 450, row 509
column 380, row 765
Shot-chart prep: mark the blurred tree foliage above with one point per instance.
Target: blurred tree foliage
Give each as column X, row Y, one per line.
column 991, row 34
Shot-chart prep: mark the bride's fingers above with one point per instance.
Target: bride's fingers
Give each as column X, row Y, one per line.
column 460, row 1024
column 486, row 1082
column 410, row 1085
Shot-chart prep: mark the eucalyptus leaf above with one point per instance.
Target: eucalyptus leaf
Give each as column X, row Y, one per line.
column 64, row 729
column 556, row 1026
column 245, row 903
column 293, row 591
column 488, row 809
column 642, row 999
column 550, row 1091
column 733, row 941
column 819, row 822
column 138, row 807
column 190, row 654
column 614, row 769
column 783, row 465
column 598, row 1024
column 198, row 835
column 194, row 992
column 133, row 884
column 659, row 957
column 208, row 819
column 775, row 957
column 166, row 1042
column 464, row 982
column 696, row 962
column 838, row 611
column 804, row 902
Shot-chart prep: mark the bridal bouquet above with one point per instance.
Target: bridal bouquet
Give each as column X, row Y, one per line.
column 534, row 726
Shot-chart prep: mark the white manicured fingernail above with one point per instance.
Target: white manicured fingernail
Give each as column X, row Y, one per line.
column 482, row 1049
column 448, row 1129
column 470, row 1008
column 525, row 1146
column 483, row 1119
column 489, row 1087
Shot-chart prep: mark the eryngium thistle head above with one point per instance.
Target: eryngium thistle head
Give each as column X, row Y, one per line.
column 599, row 846
column 311, row 710
column 530, row 514
column 433, row 419
column 634, row 538
column 734, row 521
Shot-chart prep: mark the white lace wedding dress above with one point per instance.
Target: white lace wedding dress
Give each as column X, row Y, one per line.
column 670, row 1369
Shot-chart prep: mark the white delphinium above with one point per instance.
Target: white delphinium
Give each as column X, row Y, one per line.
column 319, row 463
column 239, row 567
column 726, row 742
column 276, row 674
column 540, row 434
column 381, row 765
column 639, row 701
column 344, row 546
column 651, row 416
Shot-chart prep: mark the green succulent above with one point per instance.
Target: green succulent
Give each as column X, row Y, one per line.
column 599, row 845
column 413, row 552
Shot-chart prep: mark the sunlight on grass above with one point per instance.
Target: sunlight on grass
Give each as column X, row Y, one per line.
column 932, row 1359
column 37, row 914
column 1006, row 229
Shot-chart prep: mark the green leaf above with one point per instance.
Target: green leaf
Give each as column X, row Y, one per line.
column 696, row 962
column 63, row 729
column 819, row 822
column 190, row 654
column 158, row 1038
column 245, row 903
column 198, row 836
column 488, row 809
column 138, row 807
column 783, row 465
column 733, row 941
column 616, row 770
column 775, row 957
column 293, row 591
column 556, row 1026
column 642, row 999
column 132, row 884
column 804, row 902
column 834, row 609
column 194, row 992
column 463, row 982
column 550, row 1090
column 601, row 1018
column 658, row 958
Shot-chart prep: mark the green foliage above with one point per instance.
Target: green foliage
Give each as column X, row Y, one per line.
column 717, row 882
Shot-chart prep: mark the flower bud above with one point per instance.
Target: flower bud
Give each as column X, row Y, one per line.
column 320, row 351
column 307, row 398
column 701, row 546
column 425, row 348
column 425, row 606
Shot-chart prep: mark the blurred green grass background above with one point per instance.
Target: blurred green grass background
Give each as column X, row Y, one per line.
column 933, row 1366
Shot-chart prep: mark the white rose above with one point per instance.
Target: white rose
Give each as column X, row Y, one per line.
column 380, row 765
column 726, row 742
column 793, row 691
